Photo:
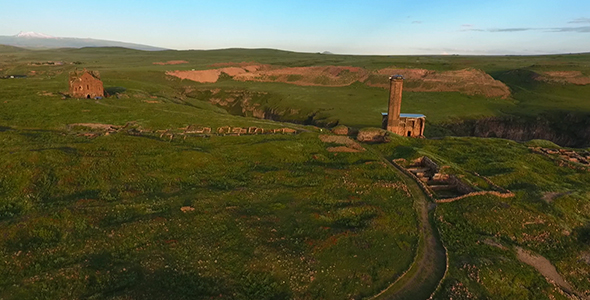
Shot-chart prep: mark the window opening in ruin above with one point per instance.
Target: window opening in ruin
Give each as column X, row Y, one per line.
column 87, row 86
column 409, row 133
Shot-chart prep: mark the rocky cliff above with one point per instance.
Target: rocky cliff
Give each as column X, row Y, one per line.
column 564, row 128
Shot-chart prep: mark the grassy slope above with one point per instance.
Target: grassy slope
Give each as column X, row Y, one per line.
column 556, row 229
column 275, row 216
column 136, row 186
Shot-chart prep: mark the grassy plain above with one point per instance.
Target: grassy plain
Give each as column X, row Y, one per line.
column 550, row 216
column 275, row 216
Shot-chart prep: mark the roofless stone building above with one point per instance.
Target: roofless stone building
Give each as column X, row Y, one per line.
column 86, row 84
column 411, row 125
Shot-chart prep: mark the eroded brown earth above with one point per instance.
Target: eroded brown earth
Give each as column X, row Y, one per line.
column 467, row 81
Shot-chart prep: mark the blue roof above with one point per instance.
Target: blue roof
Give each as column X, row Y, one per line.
column 407, row 115
column 412, row 115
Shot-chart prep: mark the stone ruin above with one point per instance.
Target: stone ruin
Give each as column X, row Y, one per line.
column 85, row 84
column 444, row 188
column 92, row 130
column 571, row 158
column 411, row 125
column 372, row 135
column 442, row 185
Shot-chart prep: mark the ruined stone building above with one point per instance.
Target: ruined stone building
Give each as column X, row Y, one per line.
column 85, row 84
column 394, row 121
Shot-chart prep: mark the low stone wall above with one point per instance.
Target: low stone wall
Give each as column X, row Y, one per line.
column 560, row 160
column 461, row 186
column 480, row 193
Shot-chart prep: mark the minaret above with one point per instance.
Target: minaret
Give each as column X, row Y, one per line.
column 396, row 83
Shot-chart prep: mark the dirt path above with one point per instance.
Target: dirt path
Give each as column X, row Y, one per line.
column 429, row 265
column 544, row 266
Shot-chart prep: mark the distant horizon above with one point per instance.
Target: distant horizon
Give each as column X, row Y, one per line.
column 373, row 27
column 265, row 48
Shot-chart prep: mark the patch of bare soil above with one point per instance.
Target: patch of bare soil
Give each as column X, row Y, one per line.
column 172, row 62
column 574, row 77
column 349, row 144
column 233, row 71
column 203, row 76
column 544, row 266
column 212, row 75
column 95, row 126
column 466, row 81
column 342, row 149
column 45, row 93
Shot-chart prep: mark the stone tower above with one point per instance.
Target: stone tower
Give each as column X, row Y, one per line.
column 396, row 83
column 394, row 121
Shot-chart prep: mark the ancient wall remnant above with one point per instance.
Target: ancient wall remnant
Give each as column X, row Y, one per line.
column 85, row 84
column 372, row 136
column 411, row 125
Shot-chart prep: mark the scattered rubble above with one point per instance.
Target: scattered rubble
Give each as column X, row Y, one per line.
column 372, row 135
column 577, row 160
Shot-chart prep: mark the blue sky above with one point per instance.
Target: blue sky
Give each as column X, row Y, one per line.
column 345, row 26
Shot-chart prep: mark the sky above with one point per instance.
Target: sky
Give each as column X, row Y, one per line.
column 393, row 27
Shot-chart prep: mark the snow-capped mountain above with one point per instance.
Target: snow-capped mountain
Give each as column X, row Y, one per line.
column 30, row 34
column 39, row 40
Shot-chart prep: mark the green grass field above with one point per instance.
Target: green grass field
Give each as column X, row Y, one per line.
column 276, row 216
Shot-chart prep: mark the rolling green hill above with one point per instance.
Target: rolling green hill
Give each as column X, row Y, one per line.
column 140, row 206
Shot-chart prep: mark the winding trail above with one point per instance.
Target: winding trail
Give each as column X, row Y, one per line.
column 424, row 275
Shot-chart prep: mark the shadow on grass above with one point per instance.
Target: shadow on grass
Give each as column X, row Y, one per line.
column 112, row 90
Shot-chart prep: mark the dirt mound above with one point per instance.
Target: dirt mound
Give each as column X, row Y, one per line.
column 306, row 76
column 232, row 71
column 574, row 77
column 341, row 130
column 350, row 145
column 372, row 135
column 467, row 81
column 204, row 76
column 171, row 62
column 409, row 74
column 212, row 75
